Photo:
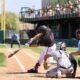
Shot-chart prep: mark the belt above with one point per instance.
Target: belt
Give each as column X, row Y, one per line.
column 65, row 67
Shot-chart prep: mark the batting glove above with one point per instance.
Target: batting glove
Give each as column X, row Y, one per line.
column 27, row 44
column 45, row 65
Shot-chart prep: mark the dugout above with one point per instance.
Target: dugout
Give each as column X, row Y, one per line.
column 62, row 25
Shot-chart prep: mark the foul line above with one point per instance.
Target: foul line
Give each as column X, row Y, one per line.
column 30, row 55
column 17, row 60
column 19, row 63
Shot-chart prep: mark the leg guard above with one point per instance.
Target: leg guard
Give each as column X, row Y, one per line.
column 74, row 63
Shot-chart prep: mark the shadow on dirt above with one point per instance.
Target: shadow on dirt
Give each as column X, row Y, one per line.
column 43, row 76
column 23, row 73
column 40, row 75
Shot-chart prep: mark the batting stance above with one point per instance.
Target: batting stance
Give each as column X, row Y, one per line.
column 64, row 65
column 45, row 38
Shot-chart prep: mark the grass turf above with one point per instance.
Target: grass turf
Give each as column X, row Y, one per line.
column 2, row 60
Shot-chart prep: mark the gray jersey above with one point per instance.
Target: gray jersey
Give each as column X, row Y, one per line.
column 61, row 58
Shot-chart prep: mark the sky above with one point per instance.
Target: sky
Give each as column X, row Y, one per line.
column 15, row 5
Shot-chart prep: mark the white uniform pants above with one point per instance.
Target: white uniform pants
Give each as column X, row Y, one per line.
column 47, row 50
column 57, row 72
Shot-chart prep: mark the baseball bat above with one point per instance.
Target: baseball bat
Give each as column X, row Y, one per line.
column 16, row 51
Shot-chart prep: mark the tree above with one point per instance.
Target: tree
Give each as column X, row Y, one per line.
column 0, row 21
column 12, row 20
column 54, row 2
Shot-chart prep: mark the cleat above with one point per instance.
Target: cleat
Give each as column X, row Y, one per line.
column 32, row 71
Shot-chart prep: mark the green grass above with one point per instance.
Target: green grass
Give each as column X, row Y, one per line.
column 2, row 59
column 37, row 49
column 2, row 46
column 71, row 49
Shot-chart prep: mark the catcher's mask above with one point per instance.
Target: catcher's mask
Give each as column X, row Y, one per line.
column 61, row 46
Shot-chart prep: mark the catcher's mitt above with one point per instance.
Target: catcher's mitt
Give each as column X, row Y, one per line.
column 46, row 66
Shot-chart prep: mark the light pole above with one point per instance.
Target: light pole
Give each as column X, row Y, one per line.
column 3, row 18
column 58, row 2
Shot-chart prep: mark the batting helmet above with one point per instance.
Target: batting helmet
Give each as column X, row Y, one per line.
column 42, row 28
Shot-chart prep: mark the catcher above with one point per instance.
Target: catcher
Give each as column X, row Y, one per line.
column 63, row 63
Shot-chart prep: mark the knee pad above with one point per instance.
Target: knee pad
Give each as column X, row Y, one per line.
column 74, row 63
column 79, row 62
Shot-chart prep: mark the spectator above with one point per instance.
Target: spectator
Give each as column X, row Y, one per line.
column 58, row 9
column 78, row 4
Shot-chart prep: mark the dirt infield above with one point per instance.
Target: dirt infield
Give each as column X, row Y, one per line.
column 17, row 66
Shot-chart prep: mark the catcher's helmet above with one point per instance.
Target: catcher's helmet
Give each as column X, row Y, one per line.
column 61, row 46
column 42, row 28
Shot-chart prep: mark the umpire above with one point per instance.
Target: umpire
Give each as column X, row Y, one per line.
column 15, row 39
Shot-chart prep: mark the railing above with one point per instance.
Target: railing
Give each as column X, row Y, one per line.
column 30, row 14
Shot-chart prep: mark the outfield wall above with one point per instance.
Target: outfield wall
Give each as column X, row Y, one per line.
column 1, row 36
column 23, row 39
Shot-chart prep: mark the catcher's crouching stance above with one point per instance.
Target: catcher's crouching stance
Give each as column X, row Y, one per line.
column 65, row 65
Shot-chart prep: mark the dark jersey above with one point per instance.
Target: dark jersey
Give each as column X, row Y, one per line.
column 47, row 39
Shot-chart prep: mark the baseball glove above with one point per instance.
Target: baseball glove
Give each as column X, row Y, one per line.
column 46, row 66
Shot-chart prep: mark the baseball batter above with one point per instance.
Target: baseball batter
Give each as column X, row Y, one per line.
column 45, row 38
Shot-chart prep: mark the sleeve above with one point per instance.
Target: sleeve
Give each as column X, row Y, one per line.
column 79, row 46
